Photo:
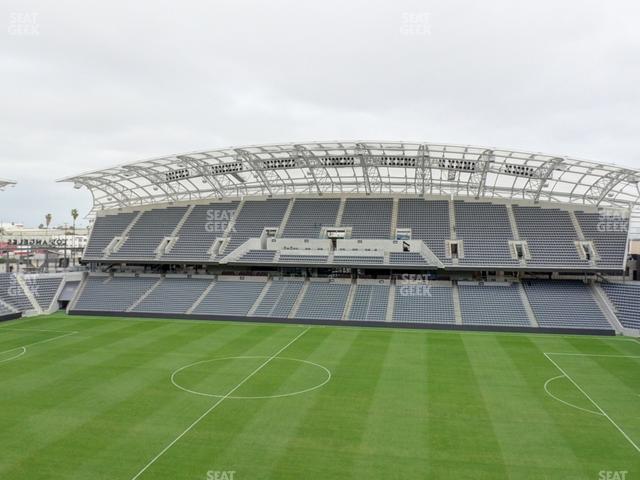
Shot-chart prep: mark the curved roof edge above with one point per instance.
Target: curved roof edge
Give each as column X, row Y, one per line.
column 362, row 167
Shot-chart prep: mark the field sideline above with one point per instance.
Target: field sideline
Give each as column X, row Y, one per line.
column 115, row 398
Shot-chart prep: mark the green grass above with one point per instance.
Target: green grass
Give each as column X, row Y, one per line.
column 400, row 404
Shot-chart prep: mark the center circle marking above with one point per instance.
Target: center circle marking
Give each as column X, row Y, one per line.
column 326, row 371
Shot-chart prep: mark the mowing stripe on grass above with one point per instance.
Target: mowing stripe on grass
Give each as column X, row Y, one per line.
column 230, row 392
column 23, row 348
column 624, row 434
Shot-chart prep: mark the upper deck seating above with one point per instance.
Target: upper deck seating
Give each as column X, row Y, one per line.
column 368, row 217
column 485, row 231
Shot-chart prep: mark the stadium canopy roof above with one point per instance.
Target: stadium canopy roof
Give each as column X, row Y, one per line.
column 362, row 167
column 6, row 183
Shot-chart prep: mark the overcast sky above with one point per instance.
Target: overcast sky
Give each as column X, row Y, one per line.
column 89, row 84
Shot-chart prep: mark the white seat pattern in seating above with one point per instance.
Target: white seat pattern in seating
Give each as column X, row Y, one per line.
column 4, row 311
column 324, row 300
column 416, row 303
column 370, row 303
column 609, row 236
column 626, row 300
column 492, row 305
column 197, row 234
column 11, row 292
column 280, row 298
column 173, row 295
column 254, row 216
column 567, row 304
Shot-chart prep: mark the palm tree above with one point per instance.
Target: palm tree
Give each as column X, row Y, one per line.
column 74, row 215
column 47, row 219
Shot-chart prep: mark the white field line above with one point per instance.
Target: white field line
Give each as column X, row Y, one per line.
column 23, row 348
column 624, row 434
column 22, row 352
column 592, row 355
column 35, row 330
column 222, row 399
column 282, row 395
column 40, row 342
column 546, row 389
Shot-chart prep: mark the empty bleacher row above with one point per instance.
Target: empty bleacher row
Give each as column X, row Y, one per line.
column 429, row 221
column 368, row 218
column 6, row 310
column 547, row 304
column 483, row 229
column 17, row 292
column 370, row 302
column 148, row 231
column 309, row 216
column 609, row 235
column 489, row 304
column 13, row 294
column 43, row 288
column 253, row 218
column 625, row 299
column 199, row 231
column 569, row 302
column 105, row 229
column 279, row 298
column 486, row 231
column 550, row 236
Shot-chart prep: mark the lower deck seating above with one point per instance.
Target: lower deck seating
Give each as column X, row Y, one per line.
column 11, row 292
column 492, row 305
column 324, row 300
column 173, row 295
column 566, row 304
column 5, row 310
column 43, row 288
column 555, row 304
column 233, row 298
column 279, row 299
column 423, row 303
column 626, row 301
column 370, row 303
column 113, row 294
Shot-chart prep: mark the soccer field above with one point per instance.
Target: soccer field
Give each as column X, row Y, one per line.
column 115, row 398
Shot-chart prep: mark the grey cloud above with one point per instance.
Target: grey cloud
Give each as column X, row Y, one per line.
column 108, row 82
